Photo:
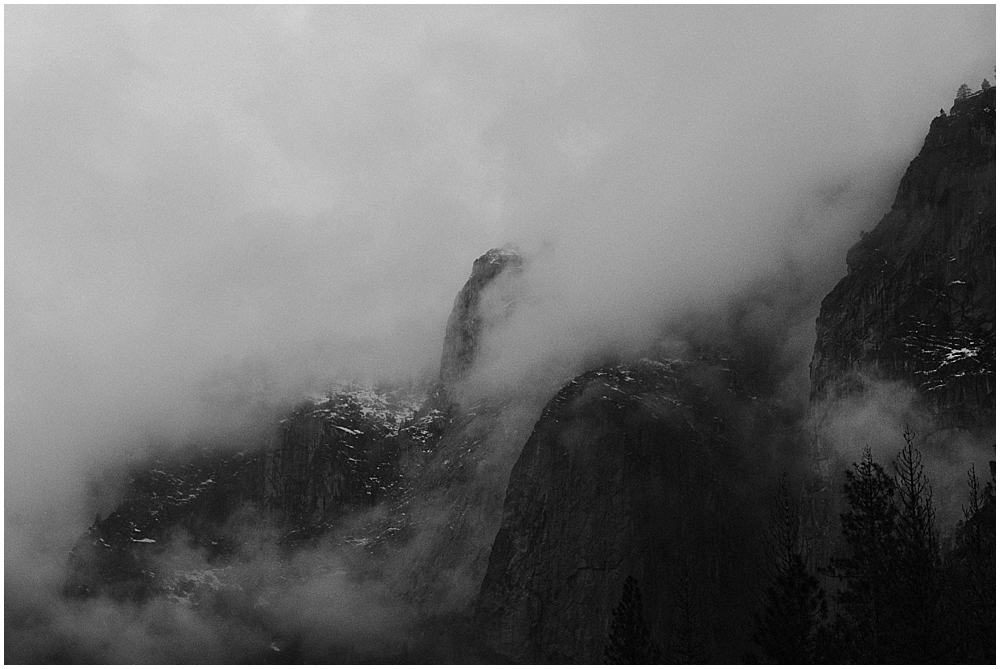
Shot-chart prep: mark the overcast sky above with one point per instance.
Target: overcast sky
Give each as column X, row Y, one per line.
column 191, row 191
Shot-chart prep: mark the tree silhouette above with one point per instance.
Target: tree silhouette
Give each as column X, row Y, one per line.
column 790, row 629
column 869, row 529
column 975, row 554
column 688, row 643
column 918, row 573
column 629, row 641
column 963, row 92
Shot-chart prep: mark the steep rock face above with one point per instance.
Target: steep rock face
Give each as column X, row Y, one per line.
column 632, row 470
column 334, row 456
column 473, row 312
column 918, row 302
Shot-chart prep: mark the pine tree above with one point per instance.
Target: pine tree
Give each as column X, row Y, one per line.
column 790, row 629
column 963, row 92
column 688, row 644
column 975, row 552
column 918, row 574
column 629, row 641
column 869, row 529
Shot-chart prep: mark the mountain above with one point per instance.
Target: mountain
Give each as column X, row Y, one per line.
column 918, row 303
column 506, row 524
column 917, row 307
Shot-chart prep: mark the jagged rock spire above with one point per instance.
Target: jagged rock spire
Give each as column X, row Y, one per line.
column 470, row 315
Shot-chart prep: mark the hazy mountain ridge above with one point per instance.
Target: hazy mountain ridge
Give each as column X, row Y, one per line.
column 645, row 469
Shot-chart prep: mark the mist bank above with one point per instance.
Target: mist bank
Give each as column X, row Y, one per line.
column 214, row 211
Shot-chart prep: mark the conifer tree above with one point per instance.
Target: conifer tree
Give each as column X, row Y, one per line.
column 975, row 551
column 790, row 629
column 688, row 644
column 629, row 641
column 917, row 575
column 869, row 529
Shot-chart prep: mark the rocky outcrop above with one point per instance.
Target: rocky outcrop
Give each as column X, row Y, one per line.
column 636, row 471
column 334, row 456
column 453, row 480
column 474, row 310
column 918, row 302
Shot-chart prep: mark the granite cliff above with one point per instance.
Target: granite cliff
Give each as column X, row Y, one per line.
column 918, row 302
column 632, row 470
column 917, row 308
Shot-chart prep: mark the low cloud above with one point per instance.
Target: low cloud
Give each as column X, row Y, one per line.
column 210, row 211
column 879, row 417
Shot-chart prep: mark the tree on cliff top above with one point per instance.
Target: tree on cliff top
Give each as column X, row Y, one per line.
column 629, row 641
column 963, row 92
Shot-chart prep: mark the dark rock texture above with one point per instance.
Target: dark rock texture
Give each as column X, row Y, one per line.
column 326, row 460
column 334, row 457
column 918, row 306
column 193, row 493
column 636, row 471
column 918, row 302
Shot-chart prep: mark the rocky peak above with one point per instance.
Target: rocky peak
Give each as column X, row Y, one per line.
column 472, row 313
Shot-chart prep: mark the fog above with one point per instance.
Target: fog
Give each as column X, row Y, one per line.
column 210, row 209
